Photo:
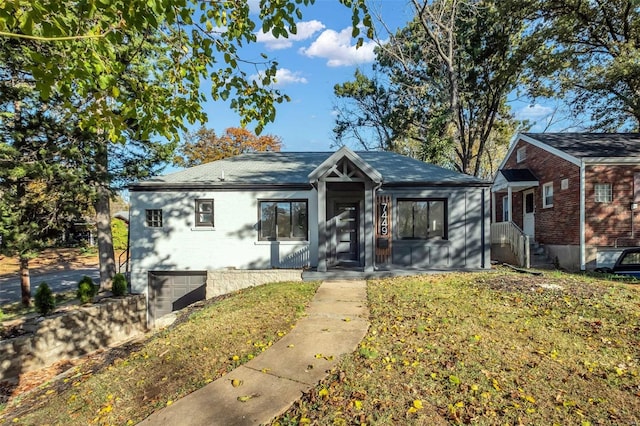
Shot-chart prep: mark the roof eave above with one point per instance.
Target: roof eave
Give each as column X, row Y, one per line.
column 414, row 184
column 216, row 186
column 611, row 160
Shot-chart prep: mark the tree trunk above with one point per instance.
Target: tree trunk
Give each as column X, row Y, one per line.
column 105, row 240
column 25, row 281
column 103, row 221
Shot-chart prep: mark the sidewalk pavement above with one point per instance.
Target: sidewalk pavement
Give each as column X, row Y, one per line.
column 336, row 321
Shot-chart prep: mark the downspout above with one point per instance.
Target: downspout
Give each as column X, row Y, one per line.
column 583, row 256
column 483, row 241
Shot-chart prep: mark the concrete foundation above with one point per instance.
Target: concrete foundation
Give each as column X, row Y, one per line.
column 221, row 282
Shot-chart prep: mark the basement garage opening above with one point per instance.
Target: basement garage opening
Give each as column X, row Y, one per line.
column 172, row 291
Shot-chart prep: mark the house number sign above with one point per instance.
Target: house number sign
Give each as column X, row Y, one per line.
column 383, row 219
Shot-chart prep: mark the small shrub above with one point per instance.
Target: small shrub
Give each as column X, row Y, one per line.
column 1, row 315
column 119, row 286
column 44, row 299
column 86, row 289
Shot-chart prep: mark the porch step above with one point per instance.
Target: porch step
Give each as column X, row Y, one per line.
column 539, row 258
column 536, row 249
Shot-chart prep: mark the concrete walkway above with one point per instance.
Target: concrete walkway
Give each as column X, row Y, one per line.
column 336, row 321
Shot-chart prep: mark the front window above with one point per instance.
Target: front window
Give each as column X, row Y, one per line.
column 204, row 212
column 547, row 195
column 521, row 154
column 604, row 193
column 153, row 218
column 283, row 220
column 422, row 219
column 528, row 202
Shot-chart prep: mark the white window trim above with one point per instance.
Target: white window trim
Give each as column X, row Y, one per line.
column 608, row 193
column 521, row 154
column 544, row 194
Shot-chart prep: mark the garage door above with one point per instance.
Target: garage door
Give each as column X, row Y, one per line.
column 172, row 291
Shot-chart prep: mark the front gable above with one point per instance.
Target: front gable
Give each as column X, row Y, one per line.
column 522, row 141
column 345, row 165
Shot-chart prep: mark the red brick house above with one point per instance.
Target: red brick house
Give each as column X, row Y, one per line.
column 575, row 194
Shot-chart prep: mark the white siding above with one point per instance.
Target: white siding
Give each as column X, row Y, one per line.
column 232, row 243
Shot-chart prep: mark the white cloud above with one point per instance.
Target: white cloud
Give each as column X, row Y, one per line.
column 338, row 50
column 534, row 112
column 305, row 30
column 284, row 77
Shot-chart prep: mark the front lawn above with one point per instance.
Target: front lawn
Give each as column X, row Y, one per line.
column 128, row 384
column 487, row 348
column 500, row 348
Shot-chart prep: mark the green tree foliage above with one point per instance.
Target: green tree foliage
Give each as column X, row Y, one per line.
column 203, row 145
column 448, row 73
column 383, row 116
column 42, row 187
column 120, row 233
column 592, row 59
column 129, row 74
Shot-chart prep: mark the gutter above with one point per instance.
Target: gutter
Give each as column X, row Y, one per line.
column 197, row 186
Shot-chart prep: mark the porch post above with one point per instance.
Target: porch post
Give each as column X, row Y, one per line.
column 493, row 207
column 369, row 235
column 509, row 203
column 322, row 226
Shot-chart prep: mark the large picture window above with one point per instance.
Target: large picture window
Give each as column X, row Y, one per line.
column 204, row 212
column 422, row 219
column 283, row 220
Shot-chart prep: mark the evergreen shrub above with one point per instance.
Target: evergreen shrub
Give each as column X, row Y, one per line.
column 44, row 299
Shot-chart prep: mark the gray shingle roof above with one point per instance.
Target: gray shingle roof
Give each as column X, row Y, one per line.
column 294, row 168
column 585, row 145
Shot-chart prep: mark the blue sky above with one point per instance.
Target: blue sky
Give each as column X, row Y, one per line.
column 321, row 55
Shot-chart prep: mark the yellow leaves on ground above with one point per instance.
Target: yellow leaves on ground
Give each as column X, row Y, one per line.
column 488, row 349
column 246, row 398
column 236, row 382
column 326, row 357
column 415, row 406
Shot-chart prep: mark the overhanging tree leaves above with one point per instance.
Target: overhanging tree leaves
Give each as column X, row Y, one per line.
column 132, row 69
column 592, row 57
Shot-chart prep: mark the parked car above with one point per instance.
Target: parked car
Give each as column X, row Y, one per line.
column 628, row 263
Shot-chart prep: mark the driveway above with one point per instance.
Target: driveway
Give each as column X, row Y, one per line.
column 59, row 281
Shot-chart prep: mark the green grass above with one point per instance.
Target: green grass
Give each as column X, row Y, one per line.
column 501, row 348
column 17, row 309
column 210, row 342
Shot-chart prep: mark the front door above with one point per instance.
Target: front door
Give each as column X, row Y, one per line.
column 528, row 213
column 347, row 233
